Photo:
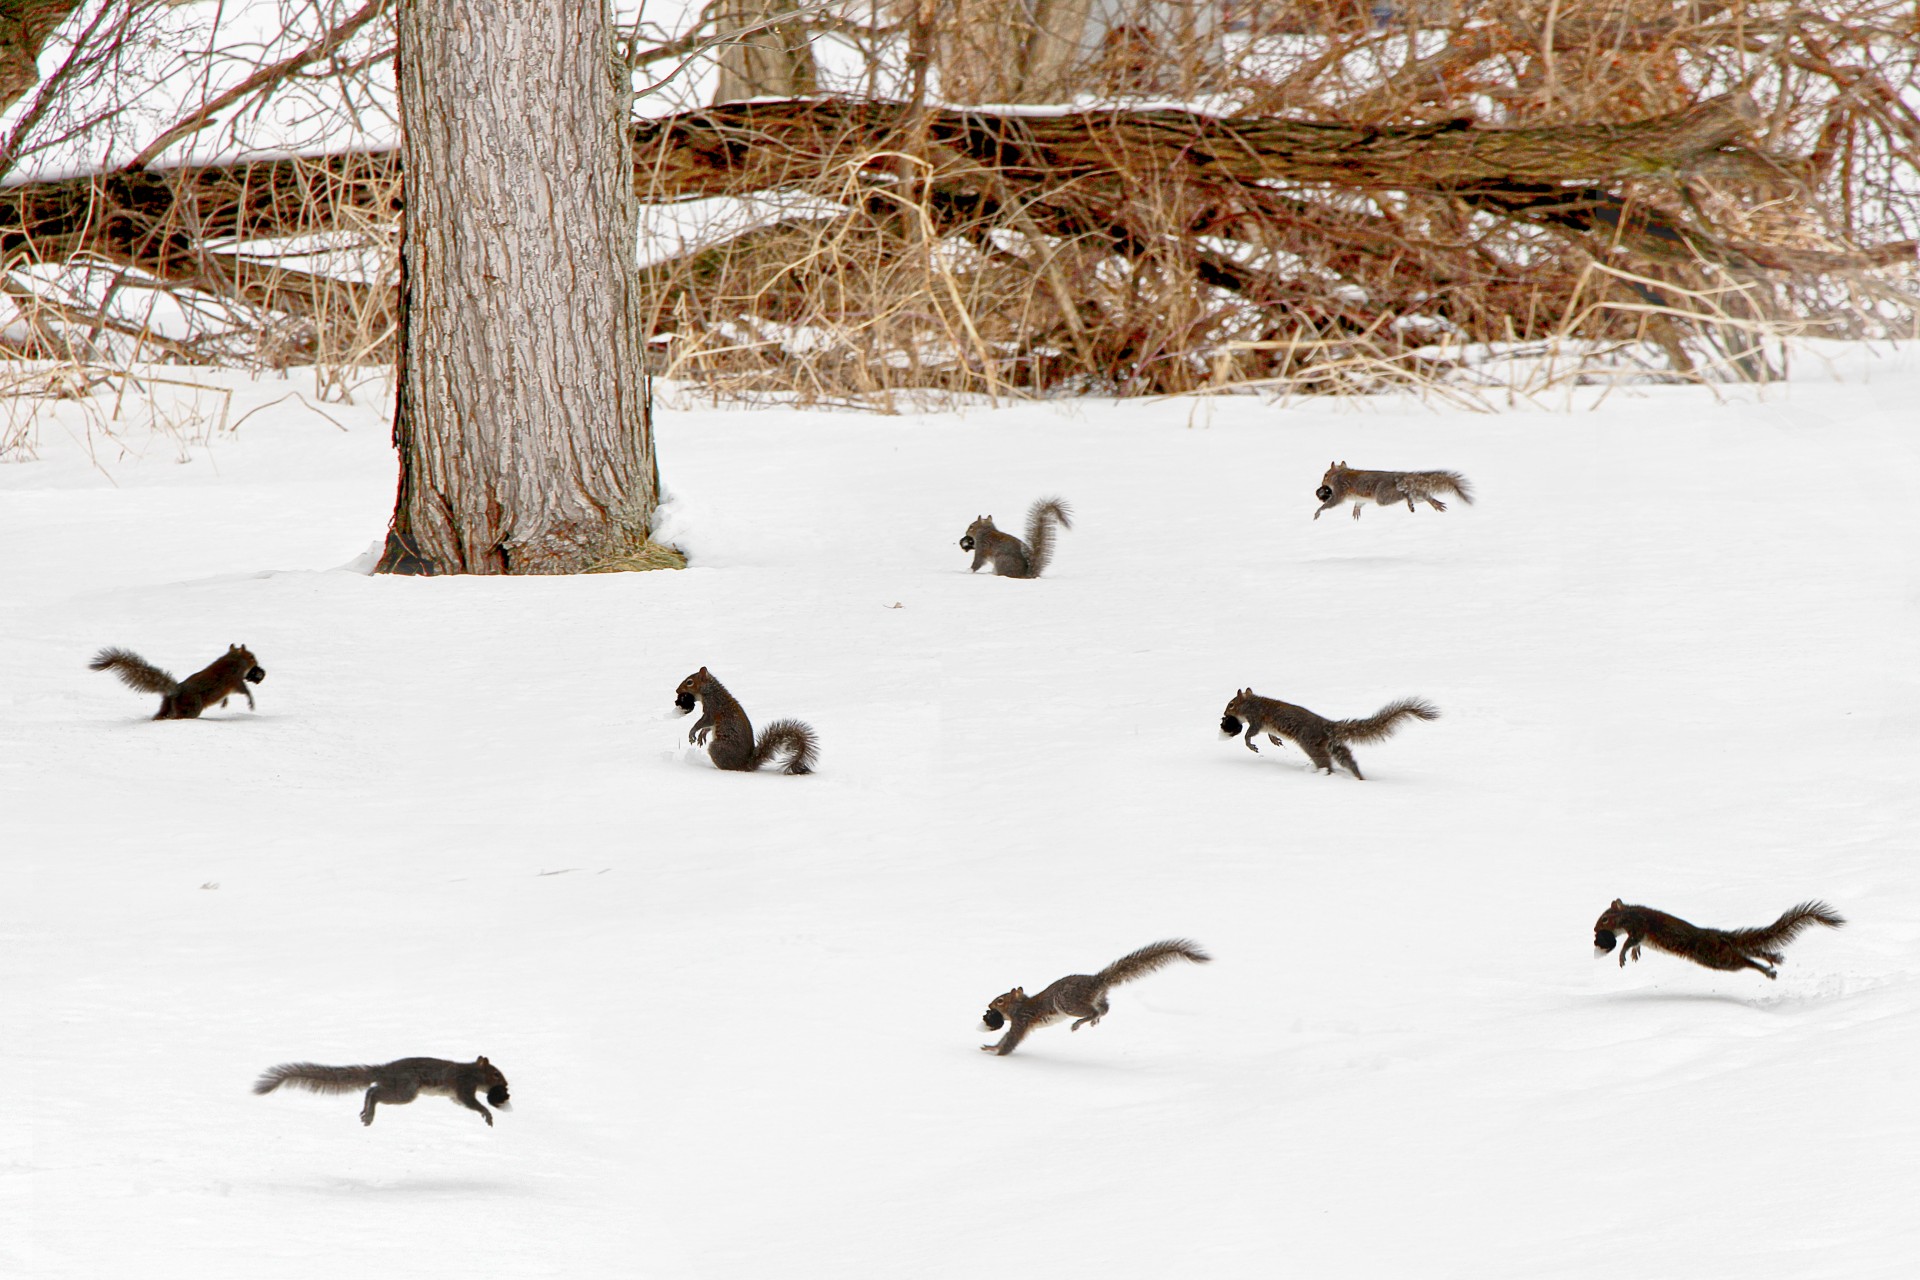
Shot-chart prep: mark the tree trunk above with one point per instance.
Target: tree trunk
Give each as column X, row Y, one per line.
column 767, row 52
column 523, row 419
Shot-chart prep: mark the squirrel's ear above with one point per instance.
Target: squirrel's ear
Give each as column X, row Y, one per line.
column 703, row 671
column 481, row 1061
column 1617, row 904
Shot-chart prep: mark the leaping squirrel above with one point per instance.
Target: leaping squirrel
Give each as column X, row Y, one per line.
column 1080, row 996
column 1730, row 949
column 1325, row 741
column 226, row 675
column 1384, row 488
column 397, row 1083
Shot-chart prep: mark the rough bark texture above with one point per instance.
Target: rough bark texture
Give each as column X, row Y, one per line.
column 747, row 146
column 522, row 419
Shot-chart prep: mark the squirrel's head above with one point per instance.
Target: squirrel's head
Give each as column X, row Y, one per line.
column 689, row 689
column 1603, row 928
column 1001, row 1008
column 253, row 672
column 981, row 526
column 496, row 1084
column 1237, row 710
column 1327, row 481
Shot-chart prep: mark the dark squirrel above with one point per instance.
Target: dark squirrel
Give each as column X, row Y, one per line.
column 1325, row 741
column 734, row 746
column 1080, row 996
column 1010, row 557
column 1729, row 949
column 397, row 1083
column 226, row 675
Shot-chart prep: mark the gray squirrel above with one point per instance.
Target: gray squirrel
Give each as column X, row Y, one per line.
column 398, row 1082
column 734, row 746
column 1080, row 996
column 1010, row 557
column 1384, row 488
column 1325, row 741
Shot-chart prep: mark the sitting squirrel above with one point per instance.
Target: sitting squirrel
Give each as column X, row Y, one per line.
column 734, row 746
column 1011, row 557
column 219, row 680
column 1731, row 949
column 1080, row 996
column 1325, row 741
column 398, row 1082
column 1384, row 488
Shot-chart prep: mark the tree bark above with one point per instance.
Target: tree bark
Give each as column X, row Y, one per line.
column 769, row 51
column 523, row 419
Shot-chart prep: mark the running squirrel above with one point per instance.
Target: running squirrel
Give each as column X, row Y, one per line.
column 1325, row 741
column 1080, row 996
column 226, row 675
column 734, row 746
column 1011, row 557
column 396, row 1083
column 1733, row 949
column 1385, row 488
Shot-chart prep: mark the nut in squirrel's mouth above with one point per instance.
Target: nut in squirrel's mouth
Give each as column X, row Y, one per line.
column 684, row 701
column 966, row 543
column 992, row 1020
column 1603, row 941
column 1231, row 726
column 1324, row 492
column 255, row 675
column 497, row 1096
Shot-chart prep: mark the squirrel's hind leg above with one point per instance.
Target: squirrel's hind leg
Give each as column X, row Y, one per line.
column 1345, row 758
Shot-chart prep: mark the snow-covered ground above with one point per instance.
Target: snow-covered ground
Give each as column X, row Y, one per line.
column 1676, row 653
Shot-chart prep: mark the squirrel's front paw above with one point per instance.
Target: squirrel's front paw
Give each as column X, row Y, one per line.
column 989, row 1048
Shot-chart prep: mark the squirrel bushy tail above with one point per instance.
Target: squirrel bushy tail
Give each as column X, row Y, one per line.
column 1382, row 722
column 1041, row 517
column 311, row 1075
column 1460, row 486
column 1789, row 926
column 1155, row 955
column 135, row 671
column 796, row 737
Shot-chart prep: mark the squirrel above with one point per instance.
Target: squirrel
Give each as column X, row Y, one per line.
column 1011, row 557
column 1732, row 949
column 397, row 1083
column 1080, row 996
column 1325, row 741
column 226, row 675
column 734, row 746
column 1388, row 487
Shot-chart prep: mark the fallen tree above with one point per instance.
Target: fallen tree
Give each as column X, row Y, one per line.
column 1094, row 237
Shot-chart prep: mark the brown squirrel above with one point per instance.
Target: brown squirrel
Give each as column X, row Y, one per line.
column 226, row 675
column 1080, row 996
column 1325, row 741
column 1011, row 557
column 396, row 1083
column 734, row 746
column 1732, row 949
column 1385, row 488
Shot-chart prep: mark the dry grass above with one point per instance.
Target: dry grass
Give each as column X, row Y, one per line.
column 867, row 280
